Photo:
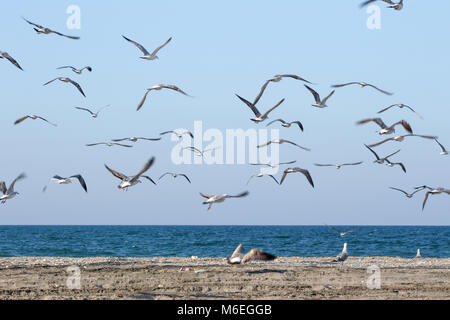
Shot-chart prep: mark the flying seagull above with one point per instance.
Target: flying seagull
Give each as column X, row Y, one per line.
column 272, row 165
column 391, row 164
column 408, row 195
column 386, row 159
column 93, row 115
column 338, row 166
column 199, row 152
column 179, row 135
column 319, row 103
column 61, row 180
column 63, row 79
column 159, row 87
column 220, row 198
column 384, row 128
column 175, row 175
column 238, row 256
column 33, row 117
column 9, row 193
column 433, row 191
column 293, row 170
column 277, row 78
column 109, row 144
column 401, row 138
column 147, row 55
column 280, row 141
column 77, row 71
column 40, row 29
column 362, row 85
column 5, row 55
column 342, row 234
column 396, row 6
column 444, row 152
column 341, row 257
column 259, row 175
column 259, row 117
column 400, row 105
column 129, row 181
column 135, row 139
column 286, row 124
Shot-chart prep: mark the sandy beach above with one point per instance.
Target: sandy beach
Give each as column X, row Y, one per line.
column 212, row 278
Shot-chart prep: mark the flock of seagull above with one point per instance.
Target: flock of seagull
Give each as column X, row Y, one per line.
column 129, row 181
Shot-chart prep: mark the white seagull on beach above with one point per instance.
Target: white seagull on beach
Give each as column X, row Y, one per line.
column 5, row 55
column 67, row 80
column 33, row 117
column 259, row 117
column 61, row 180
column 238, row 256
column 77, row 71
column 319, row 103
column 341, row 257
column 129, row 181
column 294, row 170
column 42, row 30
column 160, row 87
column 362, row 85
column 220, row 198
column 9, row 193
column 93, row 115
column 147, row 55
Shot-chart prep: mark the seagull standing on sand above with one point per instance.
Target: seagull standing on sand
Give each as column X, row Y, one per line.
column 33, row 117
column 132, row 180
column 5, row 55
column 160, row 87
column 42, row 30
column 362, row 85
column 319, row 103
column 9, row 193
column 238, row 256
column 147, row 55
column 61, row 180
column 175, row 175
column 277, row 78
column 338, row 166
column 418, row 254
column 286, row 124
column 220, row 198
column 342, row 234
column 259, row 117
column 384, row 128
column 294, row 170
column 93, row 115
column 77, row 71
column 341, row 257
column 400, row 105
column 280, row 141
column 67, row 80
column 444, row 152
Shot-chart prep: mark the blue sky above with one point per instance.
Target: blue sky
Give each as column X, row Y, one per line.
column 217, row 50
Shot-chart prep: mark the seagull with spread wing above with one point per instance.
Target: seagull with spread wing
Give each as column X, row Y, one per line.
column 238, row 256
column 42, row 30
column 135, row 139
column 342, row 234
column 294, row 170
column 178, row 134
column 147, row 55
column 362, row 85
column 62, row 180
column 259, row 175
column 433, row 191
column 401, row 106
column 338, row 166
column 384, row 128
column 198, row 152
column 77, row 71
column 5, row 55
column 93, row 115
column 386, row 159
column 175, row 175
column 160, row 87
column 259, row 117
column 319, row 102
column 9, row 193
column 108, row 144
column 273, row 166
column 280, row 141
column 393, row 5
column 129, row 181
column 408, row 195
column 401, row 138
column 67, row 80
column 286, row 124
column 220, row 198
column 33, row 117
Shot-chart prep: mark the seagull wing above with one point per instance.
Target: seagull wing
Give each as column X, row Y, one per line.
column 160, row 47
column 404, row 124
column 314, row 93
column 284, row 176
column 11, row 187
column 382, row 91
column 116, row 173
column 280, row 120
column 307, row 175
column 264, row 86
column 21, row 119
column 406, row 193
column 172, row 87
column 265, row 144
column 425, row 199
column 81, row 180
column 14, row 62
column 183, row 175
column 240, row 195
column 51, row 81
column 375, row 154
column 63, row 67
column 290, row 162
column 85, row 110
column 77, row 86
column 65, row 35
column 205, row 195
column 256, row 254
column 381, row 142
column 140, row 47
column 274, row 179
column 352, row 164
column 333, row 228
column 387, row 108
column 327, row 97
column 148, row 178
column 145, row 168
column 34, row 24
column 442, row 147
column 122, row 145
column 53, row 124
column 324, row 165
column 251, row 106
column 273, row 108
column 299, row 124
column 343, row 84
column 392, row 154
column 141, row 103
column 287, row 141
column 378, row 121
column 293, row 76
column 3, row 187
